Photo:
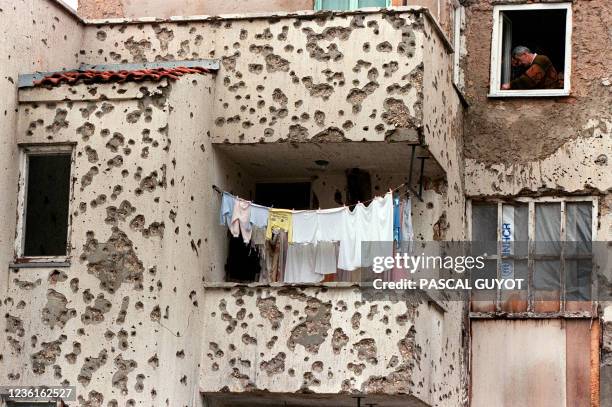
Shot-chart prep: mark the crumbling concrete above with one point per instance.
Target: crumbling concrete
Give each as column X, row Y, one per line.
column 136, row 324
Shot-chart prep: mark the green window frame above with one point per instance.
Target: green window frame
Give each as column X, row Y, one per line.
column 349, row 4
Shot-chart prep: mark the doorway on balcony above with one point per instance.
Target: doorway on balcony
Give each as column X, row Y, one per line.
column 243, row 262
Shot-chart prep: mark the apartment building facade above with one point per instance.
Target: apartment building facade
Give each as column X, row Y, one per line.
column 118, row 282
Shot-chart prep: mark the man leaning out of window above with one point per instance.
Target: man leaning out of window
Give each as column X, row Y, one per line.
column 540, row 72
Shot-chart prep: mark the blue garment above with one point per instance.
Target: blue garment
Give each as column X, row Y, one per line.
column 397, row 223
column 259, row 215
column 227, row 209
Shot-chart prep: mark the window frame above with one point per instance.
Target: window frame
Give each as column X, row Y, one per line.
column 458, row 26
column 531, row 202
column 353, row 5
column 25, row 151
column 497, row 47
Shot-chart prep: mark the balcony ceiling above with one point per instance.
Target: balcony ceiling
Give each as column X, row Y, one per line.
column 304, row 160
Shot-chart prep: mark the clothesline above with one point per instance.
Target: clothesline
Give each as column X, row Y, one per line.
column 406, row 193
column 306, row 245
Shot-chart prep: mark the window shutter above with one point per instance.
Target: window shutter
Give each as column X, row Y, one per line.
column 372, row 3
column 334, row 4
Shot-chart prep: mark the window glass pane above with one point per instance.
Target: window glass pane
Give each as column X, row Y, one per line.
column 46, row 220
column 335, row 4
column 548, row 228
column 484, row 229
column 547, row 286
column 516, row 300
column 372, row 3
column 546, row 275
column 489, row 272
column 578, row 228
column 578, row 279
column 484, row 223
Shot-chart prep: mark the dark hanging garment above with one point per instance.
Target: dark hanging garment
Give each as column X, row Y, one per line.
column 242, row 261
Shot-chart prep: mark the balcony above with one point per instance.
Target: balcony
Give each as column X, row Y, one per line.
column 308, row 77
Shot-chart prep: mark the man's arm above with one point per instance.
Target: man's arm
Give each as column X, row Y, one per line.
column 530, row 79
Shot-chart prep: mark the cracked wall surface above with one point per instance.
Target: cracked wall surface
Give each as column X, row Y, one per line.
column 344, row 76
column 169, row 8
column 545, row 146
column 127, row 307
column 526, row 145
column 327, row 340
column 125, row 321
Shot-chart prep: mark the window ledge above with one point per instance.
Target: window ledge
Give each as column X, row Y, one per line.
column 40, row 262
column 533, row 315
column 529, row 93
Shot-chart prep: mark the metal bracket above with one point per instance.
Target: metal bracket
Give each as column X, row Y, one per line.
column 419, row 193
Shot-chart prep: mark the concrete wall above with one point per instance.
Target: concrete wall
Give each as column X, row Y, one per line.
column 92, row 9
column 443, row 128
column 121, row 322
column 125, row 321
column 366, row 65
column 545, row 146
column 517, row 145
column 36, row 35
column 325, row 340
column 30, row 36
column 165, row 8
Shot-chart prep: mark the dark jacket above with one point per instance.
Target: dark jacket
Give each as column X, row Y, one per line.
column 540, row 75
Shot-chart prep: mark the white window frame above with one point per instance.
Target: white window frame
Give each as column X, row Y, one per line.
column 458, row 21
column 25, row 151
column 353, row 5
column 497, row 47
column 531, row 202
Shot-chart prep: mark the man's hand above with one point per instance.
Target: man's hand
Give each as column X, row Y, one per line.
column 506, row 86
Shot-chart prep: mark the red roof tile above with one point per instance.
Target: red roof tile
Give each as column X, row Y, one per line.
column 156, row 74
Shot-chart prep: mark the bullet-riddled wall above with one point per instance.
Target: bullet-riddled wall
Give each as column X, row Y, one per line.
column 548, row 145
column 143, row 234
column 131, row 319
column 315, row 77
column 127, row 306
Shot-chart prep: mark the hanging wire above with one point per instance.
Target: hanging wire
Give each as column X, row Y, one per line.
column 405, row 193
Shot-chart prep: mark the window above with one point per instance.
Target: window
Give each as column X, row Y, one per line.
column 349, row 4
column 547, row 243
column 44, row 202
column 541, row 65
column 458, row 21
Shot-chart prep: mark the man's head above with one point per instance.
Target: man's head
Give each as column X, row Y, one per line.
column 522, row 55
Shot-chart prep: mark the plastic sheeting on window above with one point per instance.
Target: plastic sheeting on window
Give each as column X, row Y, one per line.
column 548, row 229
column 579, row 227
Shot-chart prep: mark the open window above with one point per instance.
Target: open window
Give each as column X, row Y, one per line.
column 548, row 243
column 349, row 4
column 44, row 200
column 458, row 25
column 545, row 30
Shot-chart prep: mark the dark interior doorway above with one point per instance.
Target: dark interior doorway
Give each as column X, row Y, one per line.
column 284, row 195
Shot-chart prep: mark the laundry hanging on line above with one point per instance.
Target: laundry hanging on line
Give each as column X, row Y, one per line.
column 314, row 237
